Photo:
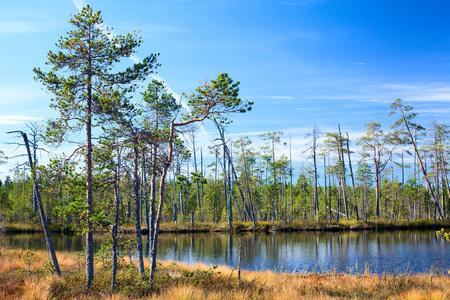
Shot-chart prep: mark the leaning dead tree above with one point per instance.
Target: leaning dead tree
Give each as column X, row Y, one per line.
column 406, row 123
column 48, row 238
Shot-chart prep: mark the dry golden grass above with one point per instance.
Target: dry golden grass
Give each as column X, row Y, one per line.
column 18, row 280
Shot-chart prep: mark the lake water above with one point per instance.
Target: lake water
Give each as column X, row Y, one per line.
column 396, row 252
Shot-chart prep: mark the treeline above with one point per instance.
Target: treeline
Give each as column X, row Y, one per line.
column 247, row 184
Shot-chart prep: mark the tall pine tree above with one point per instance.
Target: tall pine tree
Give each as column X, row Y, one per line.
column 83, row 78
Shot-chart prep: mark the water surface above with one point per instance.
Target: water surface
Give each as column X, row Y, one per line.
column 398, row 252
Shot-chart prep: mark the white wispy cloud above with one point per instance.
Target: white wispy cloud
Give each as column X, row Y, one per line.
column 272, row 97
column 15, row 94
column 170, row 90
column 18, row 27
column 437, row 111
column 373, row 100
column 359, row 63
column 370, row 112
column 334, row 97
column 413, row 92
column 307, row 108
column 385, row 93
column 17, row 119
column 79, row 4
column 431, row 96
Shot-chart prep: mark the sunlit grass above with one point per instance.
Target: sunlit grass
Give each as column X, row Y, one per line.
column 20, row 280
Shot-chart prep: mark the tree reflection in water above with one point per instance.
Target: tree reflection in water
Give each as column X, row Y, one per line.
column 390, row 252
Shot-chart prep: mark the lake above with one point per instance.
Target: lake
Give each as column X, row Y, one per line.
column 394, row 252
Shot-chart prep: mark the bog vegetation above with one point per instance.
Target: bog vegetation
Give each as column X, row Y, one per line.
column 139, row 162
column 22, row 278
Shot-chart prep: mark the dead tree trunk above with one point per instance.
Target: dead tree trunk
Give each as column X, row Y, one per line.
column 48, row 238
column 424, row 171
column 252, row 214
column 343, row 183
column 351, row 174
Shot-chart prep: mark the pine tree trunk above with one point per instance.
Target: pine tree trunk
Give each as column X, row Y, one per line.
column 144, row 187
column 151, row 229
column 162, row 186
column 114, row 237
column 89, row 241
column 137, row 213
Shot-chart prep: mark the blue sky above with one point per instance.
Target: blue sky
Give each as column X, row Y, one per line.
column 301, row 62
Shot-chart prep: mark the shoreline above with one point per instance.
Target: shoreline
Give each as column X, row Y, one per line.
column 209, row 227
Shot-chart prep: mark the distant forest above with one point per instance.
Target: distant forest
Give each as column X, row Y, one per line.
column 243, row 183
